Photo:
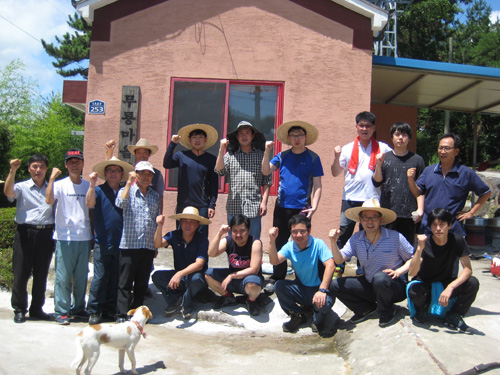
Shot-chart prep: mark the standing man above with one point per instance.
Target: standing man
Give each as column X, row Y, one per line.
column 180, row 285
column 357, row 160
column 108, row 225
column 197, row 182
column 140, row 205
column 391, row 176
column 433, row 262
column 308, row 289
column 142, row 150
column 447, row 184
column 73, row 238
column 385, row 257
column 244, row 275
column 242, row 166
column 300, row 182
column 33, row 243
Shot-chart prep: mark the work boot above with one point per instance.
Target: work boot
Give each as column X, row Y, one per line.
column 297, row 319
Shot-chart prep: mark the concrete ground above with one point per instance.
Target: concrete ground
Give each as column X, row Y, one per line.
column 232, row 342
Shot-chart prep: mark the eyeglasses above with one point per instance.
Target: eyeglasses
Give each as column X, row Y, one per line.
column 370, row 218
column 296, row 135
column 299, row 231
column 445, row 148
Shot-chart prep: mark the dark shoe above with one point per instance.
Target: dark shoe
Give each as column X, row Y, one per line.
column 19, row 317
column 187, row 315
column 253, row 307
column 327, row 332
column 361, row 317
column 421, row 316
column 224, row 301
column 292, row 326
column 62, row 320
column 40, row 316
column 314, row 328
column 148, row 293
column 174, row 309
column 455, row 320
column 269, row 288
column 386, row 319
column 94, row 319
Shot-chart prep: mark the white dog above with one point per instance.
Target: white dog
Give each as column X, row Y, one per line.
column 123, row 336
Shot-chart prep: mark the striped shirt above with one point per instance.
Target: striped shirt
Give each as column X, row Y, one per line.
column 244, row 175
column 31, row 206
column 391, row 251
column 139, row 218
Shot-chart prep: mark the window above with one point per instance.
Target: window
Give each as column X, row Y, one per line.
column 223, row 104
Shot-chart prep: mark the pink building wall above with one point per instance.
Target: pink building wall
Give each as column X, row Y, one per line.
column 327, row 80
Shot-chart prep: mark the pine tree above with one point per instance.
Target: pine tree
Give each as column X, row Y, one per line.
column 73, row 48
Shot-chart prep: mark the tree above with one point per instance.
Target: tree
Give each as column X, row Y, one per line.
column 73, row 48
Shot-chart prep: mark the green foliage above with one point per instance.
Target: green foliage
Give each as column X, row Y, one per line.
column 50, row 135
column 7, row 233
column 73, row 48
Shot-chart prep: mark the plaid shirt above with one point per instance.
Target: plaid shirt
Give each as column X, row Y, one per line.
column 245, row 178
column 139, row 218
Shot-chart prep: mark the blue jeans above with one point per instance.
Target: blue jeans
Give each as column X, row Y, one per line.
column 292, row 293
column 104, row 288
column 255, row 225
column 72, row 261
column 236, row 285
column 189, row 287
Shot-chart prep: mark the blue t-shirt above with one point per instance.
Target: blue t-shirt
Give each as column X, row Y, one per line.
column 186, row 254
column 108, row 219
column 296, row 177
column 305, row 262
column 449, row 192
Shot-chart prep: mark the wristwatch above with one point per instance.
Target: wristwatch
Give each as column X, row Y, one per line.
column 323, row 290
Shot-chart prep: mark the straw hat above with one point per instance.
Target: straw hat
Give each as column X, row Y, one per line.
column 212, row 135
column 191, row 213
column 101, row 166
column 143, row 143
column 388, row 216
column 259, row 140
column 311, row 131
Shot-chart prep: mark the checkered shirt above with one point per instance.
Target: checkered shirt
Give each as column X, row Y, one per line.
column 244, row 173
column 139, row 218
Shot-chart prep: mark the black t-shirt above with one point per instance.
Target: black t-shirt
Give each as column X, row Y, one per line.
column 239, row 257
column 438, row 261
column 395, row 192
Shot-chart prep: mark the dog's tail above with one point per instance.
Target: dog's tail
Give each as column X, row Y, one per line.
column 79, row 353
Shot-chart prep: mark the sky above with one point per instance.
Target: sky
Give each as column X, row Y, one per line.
column 25, row 22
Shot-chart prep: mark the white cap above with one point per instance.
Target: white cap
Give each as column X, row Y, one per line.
column 144, row 166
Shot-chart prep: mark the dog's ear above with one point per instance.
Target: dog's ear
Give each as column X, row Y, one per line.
column 132, row 312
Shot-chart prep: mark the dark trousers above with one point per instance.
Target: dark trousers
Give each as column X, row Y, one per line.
column 420, row 294
column 405, row 226
column 359, row 295
column 280, row 220
column 33, row 249
column 347, row 225
column 294, row 296
column 135, row 268
column 104, row 287
column 189, row 287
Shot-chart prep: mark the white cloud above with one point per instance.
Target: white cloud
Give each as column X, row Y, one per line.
column 495, row 16
column 35, row 20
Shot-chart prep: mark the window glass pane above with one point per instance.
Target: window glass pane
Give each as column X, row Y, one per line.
column 255, row 104
column 197, row 102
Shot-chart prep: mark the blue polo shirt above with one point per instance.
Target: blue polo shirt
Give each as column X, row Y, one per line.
column 448, row 192
column 108, row 219
column 186, row 254
column 305, row 262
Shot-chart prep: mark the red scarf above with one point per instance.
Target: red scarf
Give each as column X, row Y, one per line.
column 353, row 163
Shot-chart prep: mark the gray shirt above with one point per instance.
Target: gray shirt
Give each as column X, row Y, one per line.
column 31, row 206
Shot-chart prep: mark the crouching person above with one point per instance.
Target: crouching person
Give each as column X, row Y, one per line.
column 308, row 290
column 244, row 275
column 433, row 262
column 180, row 285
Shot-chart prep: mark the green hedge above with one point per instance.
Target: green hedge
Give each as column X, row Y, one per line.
column 7, row 233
